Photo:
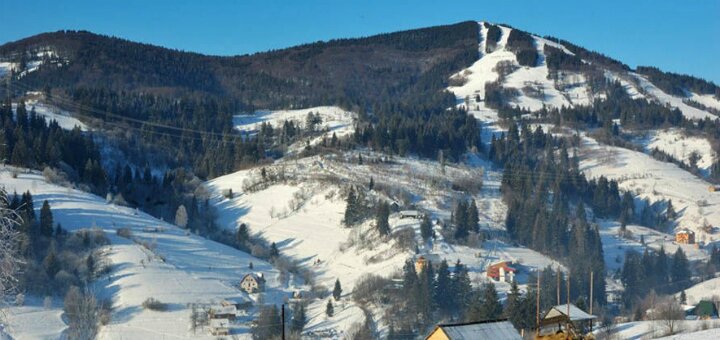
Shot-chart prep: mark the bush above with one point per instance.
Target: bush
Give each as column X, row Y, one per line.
column 124, row 232
column 153, row 304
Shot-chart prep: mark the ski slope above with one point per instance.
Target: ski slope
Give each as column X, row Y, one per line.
column 182, row 268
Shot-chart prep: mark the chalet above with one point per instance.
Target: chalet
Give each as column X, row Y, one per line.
column 685, row 236
column 253, row 283
column 223, row 312
column 219, row 327
column 493, row 330
column 501, row 272
column 411, row 214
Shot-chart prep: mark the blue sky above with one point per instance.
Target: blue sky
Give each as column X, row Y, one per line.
column 678, row 36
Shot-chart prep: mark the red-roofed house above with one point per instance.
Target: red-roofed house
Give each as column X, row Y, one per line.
column 501, row 271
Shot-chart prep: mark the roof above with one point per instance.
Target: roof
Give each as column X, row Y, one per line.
column 257, row 277
column 559, row 313
column 705, row 308
column 685, row 231
column 219, row 323
column 409, row 212
column 224, row 309
column 495, row 330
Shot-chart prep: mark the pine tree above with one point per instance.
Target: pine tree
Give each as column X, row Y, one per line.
column 350, row 208
column 242, row 236
column 426, row 230
column 680, row 269
column 443, row 288
column 381, row 221
column 472, row 217
column 337, row 290
column 371, row 185
column 46, row 220
column 329, row 309
column 51, row 263
column 274, row 252
column 461, row 287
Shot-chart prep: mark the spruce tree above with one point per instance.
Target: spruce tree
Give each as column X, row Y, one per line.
column 242, row 236
column 680, row 269
column 329, row 309
column 337, row 290
column 381, row 221
column 472, row 217
column 274, row 252
column 46, row 220
column 426, row 230
column 443, row 288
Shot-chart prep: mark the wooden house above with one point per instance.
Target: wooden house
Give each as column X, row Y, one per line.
column 223, row 312
column 685, row 236
column 219, row 327
column 253, row 283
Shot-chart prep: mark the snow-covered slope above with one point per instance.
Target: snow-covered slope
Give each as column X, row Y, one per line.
column 681, row 146
column 303, row 215
column 65, row 119
column 182, row 268
column 655, row 180
column 537, row 87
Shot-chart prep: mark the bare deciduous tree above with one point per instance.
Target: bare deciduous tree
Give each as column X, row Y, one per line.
column 10, row 260
column 669, row 314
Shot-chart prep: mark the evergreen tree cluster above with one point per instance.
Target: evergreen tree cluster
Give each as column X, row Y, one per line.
column 422, row 132
column 654, row 271
column 523, row 44
column 540, row 182
column 55, row 260
column 465, row 219
column 678, row 84
column 493, row 37
column 29, row 141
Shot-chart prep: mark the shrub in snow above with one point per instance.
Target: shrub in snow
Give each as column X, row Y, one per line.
column 124, row 232
column 153, row 304
column 20, row 299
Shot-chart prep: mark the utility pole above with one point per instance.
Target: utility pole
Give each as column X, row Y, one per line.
column 557, row 286
column 537, row 305
column 282, row 316
column 567, row 283
column 591, row 298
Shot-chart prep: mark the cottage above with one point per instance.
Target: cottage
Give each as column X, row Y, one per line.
column 494, row 330
column 685, row 236
column 501, row 272
column 394, row 206
column 219, row 327
column 223, row 312
column 253, row 283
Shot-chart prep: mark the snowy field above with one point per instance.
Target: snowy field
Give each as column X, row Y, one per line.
column 680, row 146
column 334, row 119
column 182, row 268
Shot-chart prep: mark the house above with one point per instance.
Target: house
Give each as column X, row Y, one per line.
column 706, row 310
column 685, row 236
column 394, row 206
column 501, row 272
column 714, row 188
column 494, row 330
column 219, row 327
column 253, row 283
column 411, row 214
column 223, row 312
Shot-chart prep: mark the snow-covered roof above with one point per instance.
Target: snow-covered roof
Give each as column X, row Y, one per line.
column 480, row 330
column 560, row 312
column 222, row 310
column 219, row 323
